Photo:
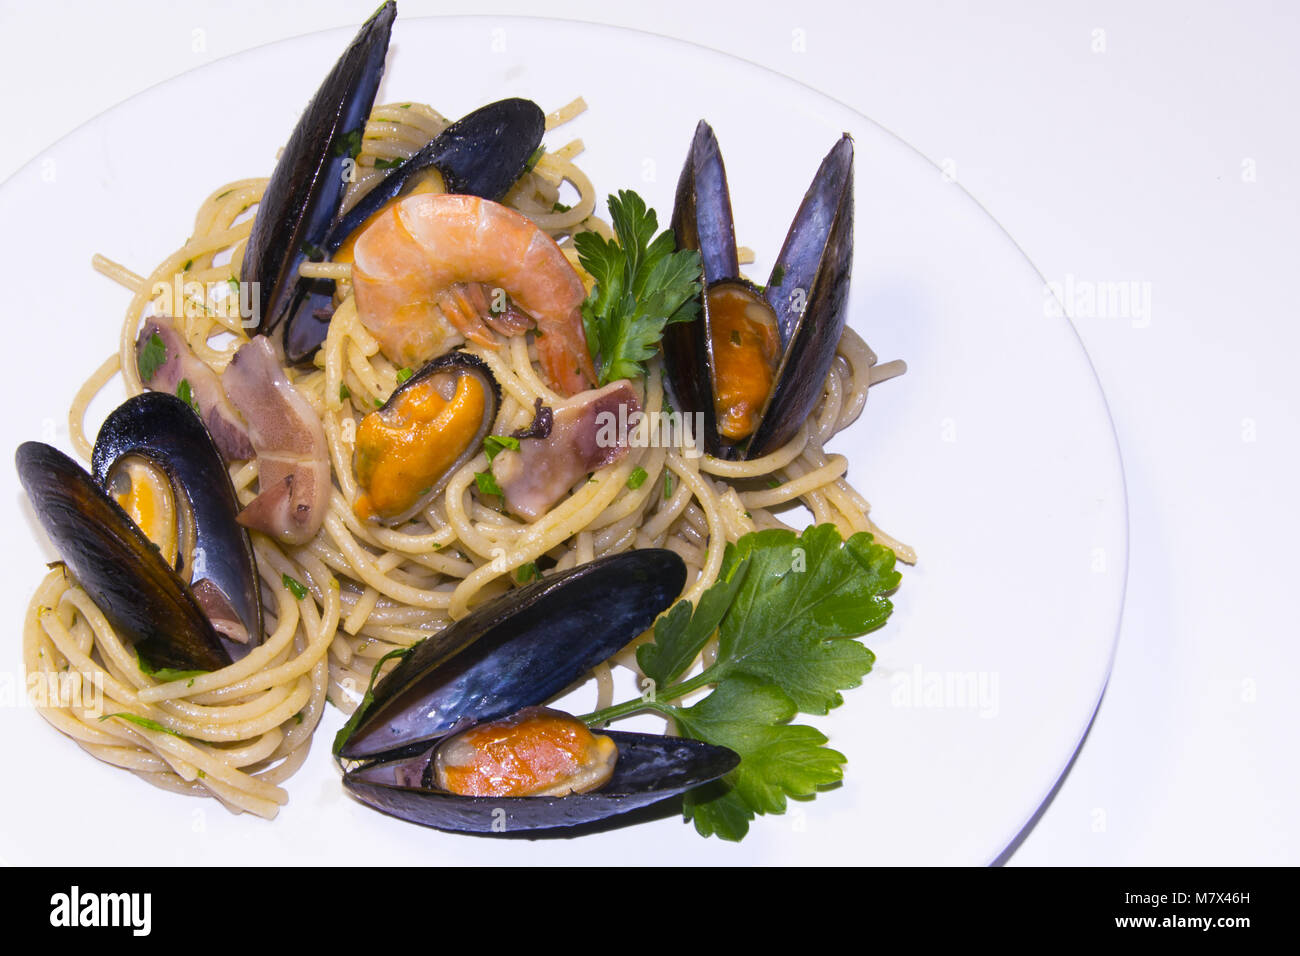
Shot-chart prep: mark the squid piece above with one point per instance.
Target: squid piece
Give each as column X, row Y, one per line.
column 292, row 455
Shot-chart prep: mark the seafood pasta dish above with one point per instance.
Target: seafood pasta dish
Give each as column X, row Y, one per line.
column 418, row 430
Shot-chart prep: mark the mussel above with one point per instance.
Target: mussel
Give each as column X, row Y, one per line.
column 755, row 364
column 516, row 652
column 307, row 185
column 200, row 614
column 433, row 423
column 298, row 219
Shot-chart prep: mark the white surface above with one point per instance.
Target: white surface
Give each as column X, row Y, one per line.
column 1124, row 164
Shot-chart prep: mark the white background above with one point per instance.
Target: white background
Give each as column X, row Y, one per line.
column 1116, row 142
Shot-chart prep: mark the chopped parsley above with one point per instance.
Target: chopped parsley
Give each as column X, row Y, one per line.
column 526, row 572
column 165, row 675
column 487, row 483
column 293, row 584
column 144, row 722
column 344, row 393
column 348, row 144
column 381, row 163
column 534, row 159
column 403, row 374
column 496, row 444
column 152, row 357
column 186, row 394
column 637, row 478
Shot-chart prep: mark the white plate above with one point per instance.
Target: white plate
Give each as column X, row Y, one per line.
column 994, row 456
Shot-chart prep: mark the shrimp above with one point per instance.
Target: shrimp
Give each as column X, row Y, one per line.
column 414, row 270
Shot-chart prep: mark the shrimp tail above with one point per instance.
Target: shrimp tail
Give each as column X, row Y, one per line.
column 565, row 357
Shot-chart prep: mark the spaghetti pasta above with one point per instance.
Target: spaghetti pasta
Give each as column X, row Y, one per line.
column 364, row 590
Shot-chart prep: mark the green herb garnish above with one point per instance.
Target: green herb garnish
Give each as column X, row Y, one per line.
column 526, row 572
column 186, row 394
column 348, row 144
column 152, row 357
column 165, row 675
column 298, row 589
column 637, row 478
column 366, row 700
column 778, row 274
column 534, row 159
column 144, row 722
column 642, row 284
column 560, row 207
column 403, row 374
column 381, row 163
column 344, row 393
column 668, row 485
column 487, row 483
column 496, row 444
column 785, row 609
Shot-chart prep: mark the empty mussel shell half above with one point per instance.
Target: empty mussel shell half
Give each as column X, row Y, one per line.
column 650, row 768
column 515, row 651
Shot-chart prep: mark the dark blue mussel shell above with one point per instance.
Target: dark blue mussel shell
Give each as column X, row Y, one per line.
column 140, row 593
column 519, row 650
column 307, row 185
column 163, row 429
column 650, row 768
column 481, row 154
column 807, row 291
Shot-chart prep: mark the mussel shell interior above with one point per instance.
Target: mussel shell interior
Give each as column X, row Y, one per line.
column 650, row 768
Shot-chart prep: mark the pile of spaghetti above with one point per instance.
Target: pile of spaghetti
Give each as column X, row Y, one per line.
column 359, row 590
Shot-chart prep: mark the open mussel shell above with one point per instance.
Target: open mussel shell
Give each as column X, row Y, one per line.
column 807, row 293
column 441, row 371
column 481, row 154
column 121, row 570
column 650, row 768
column 307, row 185
column 165, row 431
column 516, row 651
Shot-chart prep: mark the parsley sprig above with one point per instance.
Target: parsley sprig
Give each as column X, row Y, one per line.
column 785, row 609
column 641, row 286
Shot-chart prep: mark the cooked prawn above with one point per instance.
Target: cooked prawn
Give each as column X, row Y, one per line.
column 414, row 268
